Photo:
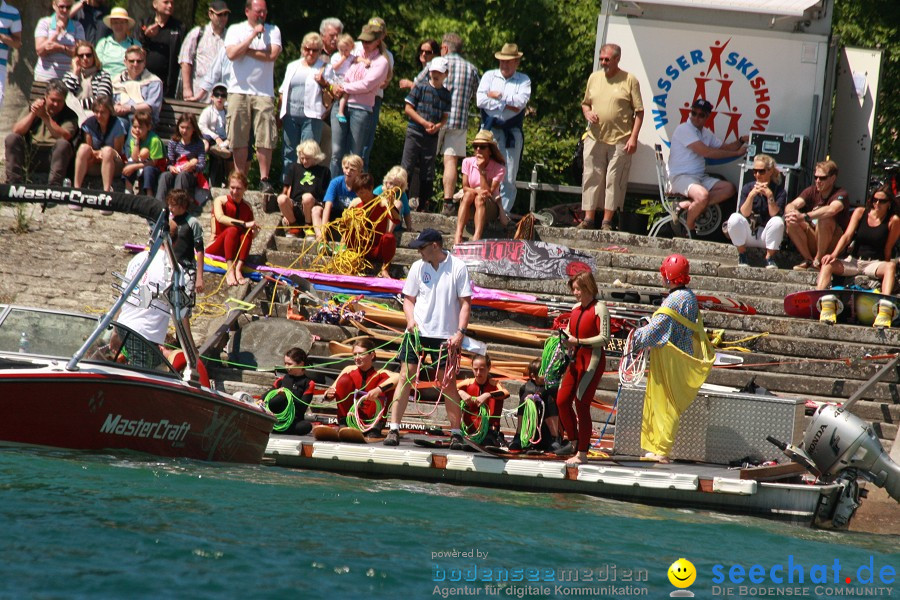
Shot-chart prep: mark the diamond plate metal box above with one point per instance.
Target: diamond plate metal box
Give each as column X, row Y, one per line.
column 718, row 427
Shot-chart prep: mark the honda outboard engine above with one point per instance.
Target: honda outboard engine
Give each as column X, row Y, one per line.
column 840, row 447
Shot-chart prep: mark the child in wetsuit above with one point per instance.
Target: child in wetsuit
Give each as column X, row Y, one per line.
column 548, row 413
column 301, row 388
column 187, row 245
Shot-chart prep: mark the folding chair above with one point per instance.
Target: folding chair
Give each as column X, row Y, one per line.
column 669, row 200
column 707, row 222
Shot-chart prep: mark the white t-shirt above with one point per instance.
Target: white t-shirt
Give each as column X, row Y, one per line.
column 249, row 75
column 683, row 160
column 437, row 293
column 152, row 322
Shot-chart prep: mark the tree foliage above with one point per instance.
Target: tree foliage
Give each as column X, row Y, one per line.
column 875, row 24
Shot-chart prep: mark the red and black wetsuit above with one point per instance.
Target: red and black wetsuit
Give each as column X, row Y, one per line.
column 583, row 323
column 233, row 242
column 351, row 381
column 494, row 403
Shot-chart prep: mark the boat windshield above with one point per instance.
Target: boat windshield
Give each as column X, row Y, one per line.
column 60, row 335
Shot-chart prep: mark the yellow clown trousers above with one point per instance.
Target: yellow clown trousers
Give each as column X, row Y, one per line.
column 673, row 382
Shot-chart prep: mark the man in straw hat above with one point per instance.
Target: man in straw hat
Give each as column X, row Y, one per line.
column 502, row 96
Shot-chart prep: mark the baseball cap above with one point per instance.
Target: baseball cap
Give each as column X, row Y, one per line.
column 701, row 104
column 439, row 64
column 426, row 237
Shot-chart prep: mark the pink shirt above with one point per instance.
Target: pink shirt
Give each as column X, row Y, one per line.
column 362, row 83
column 495, row 172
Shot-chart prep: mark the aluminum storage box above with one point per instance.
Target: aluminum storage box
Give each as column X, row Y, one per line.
column 718, row 427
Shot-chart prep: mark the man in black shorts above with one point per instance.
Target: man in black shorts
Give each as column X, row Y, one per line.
column 437, row 300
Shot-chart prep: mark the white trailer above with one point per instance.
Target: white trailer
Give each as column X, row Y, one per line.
column 766, row 66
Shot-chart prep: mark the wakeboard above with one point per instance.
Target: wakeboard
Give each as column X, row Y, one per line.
column 715, row 302
column 860, row 307
column 523, row 258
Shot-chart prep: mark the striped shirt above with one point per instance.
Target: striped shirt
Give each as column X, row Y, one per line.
column 56, row 64
column 663, row 329
column 10, row 23
column 430, row 102
column 462, row 81
column 179, row 151
column 101, row 84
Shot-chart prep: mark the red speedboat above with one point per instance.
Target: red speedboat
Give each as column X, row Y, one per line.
column 88, row 383
column 106, row 404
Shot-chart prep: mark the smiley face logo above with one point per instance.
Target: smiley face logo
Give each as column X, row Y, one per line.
column 682, row 573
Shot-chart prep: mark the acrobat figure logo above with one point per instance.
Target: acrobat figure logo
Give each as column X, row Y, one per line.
column 682, row 575
column 721, row 73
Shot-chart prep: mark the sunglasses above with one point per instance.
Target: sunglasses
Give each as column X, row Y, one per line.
column 220, row 95
column 430, row 52
column 88, row 55
column 821, row 177
column 759, row 171
column 884, row 200
column 480, row 147
column 311, row 49
column 135, row 61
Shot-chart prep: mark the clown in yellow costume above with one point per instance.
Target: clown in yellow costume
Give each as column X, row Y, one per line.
column 680, row 359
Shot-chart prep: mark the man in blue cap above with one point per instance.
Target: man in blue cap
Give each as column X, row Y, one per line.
column 692, row 144
column 437, row 300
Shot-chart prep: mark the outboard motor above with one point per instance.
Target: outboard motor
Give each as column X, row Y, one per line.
column 840, row 447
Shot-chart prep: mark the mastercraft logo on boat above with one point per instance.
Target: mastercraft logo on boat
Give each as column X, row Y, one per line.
column 158, row 430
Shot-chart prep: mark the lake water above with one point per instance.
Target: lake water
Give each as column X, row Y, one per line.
column 78, row 525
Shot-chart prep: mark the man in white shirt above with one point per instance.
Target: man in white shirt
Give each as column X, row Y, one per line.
column 502, row 96
column 252, row 47
column 692, row 144
column 437, row 301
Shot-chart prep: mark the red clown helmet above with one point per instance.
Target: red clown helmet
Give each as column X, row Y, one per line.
column 676, row 270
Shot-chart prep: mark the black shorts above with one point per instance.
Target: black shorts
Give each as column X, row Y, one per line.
column 430, row 348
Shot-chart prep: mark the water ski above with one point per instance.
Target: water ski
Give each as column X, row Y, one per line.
column 326, row 433
column 857, row 306
column 522, row 258
column 352, row 435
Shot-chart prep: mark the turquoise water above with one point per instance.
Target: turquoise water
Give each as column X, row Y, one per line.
column 94, row 526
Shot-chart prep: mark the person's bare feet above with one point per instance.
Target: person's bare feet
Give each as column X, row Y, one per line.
column 230, row 278
column 579, row 459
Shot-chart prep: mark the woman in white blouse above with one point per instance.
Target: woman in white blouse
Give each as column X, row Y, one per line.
column 302, row 108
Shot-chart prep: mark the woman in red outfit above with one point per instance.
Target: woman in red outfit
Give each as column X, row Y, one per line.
column 363, row 379
column 588, row 333
column 233, row 227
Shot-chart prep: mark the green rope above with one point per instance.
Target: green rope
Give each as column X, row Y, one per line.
column 553, row 362
column 529, row 422
column 286, row 417
column 478, row 435
column 365, row 425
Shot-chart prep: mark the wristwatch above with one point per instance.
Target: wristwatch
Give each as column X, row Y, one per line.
column 463, row 331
